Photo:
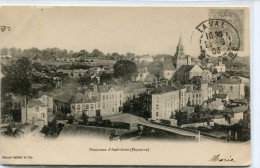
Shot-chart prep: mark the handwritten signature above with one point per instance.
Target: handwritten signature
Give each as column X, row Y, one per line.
column 3, row 28
column 218, row 158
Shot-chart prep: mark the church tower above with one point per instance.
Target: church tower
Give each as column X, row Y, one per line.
column 179, row 49
column 180, row 58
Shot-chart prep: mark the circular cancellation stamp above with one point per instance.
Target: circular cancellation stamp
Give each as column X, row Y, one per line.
column 218, row 38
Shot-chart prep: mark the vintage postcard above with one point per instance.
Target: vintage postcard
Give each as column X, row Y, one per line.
column 125, row 86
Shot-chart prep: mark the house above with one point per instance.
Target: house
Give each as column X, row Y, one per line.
column 194, row 95
column 182, row 94
column 216, row 105
column 239, row 112
column 220, row 67
column 167, row 70
column 35, row 113
column 47, row 99
column 133, row 90
column 62, row 102
column 150, row 79
column 206, row 75
column 165, row 101
column 222, row 98
column 85, row 102
column 186, row 72
column 220, row 119
column 111, row 99
column 142, row 73
column 232, row 87
column 28, row 130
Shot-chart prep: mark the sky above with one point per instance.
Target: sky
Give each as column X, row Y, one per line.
column 141, row 30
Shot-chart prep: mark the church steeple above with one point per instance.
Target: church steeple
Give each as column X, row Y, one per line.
column 180, row 48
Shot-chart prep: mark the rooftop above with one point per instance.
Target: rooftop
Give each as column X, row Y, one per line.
column 35, row 102
column 227, row 81
column 163, row 89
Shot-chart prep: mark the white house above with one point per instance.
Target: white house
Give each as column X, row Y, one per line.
column 220, row 67
column 35, row 113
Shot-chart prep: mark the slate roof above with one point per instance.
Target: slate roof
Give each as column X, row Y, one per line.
column 227, row 81
column 64, row 97
column 240, row 101
column 76, row 98
column 150, row 78
column 33, row 103
column 177, row 85
column 129, row 87
column 239, row 109
column 168, row 66
column 216, row 103
column 221, row 96
column 27, row 128
column 163, row 89
column 185, row 68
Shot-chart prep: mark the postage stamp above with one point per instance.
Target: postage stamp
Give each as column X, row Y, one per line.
column 222, row 34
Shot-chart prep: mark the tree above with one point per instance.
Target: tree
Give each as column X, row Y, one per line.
column 180, row 117
column 125, row 69
column 85, row 118
column 17, row 78
column 70, row 119
column 106, row 78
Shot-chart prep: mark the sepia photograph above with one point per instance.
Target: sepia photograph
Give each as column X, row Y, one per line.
column 162, row 86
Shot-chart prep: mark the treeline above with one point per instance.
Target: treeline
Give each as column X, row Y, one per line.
column 54, row 53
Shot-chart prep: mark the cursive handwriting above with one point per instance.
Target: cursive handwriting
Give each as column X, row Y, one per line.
column 217, row 158
column 3, row 28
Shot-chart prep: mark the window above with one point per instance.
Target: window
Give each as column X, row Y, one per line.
column 48, row 104
column 157, row 99
column 231, row 87
column 120, row 95
column 98, row 105
column 78, row 107
column 87, row 106
column 37, row 109
column 43, row 115
column 104, row 97
column 104, row 105
column 157, row 106
column 91, row 112
column 112, row 109
column 157, row 114
column 92, row 106
column 120, row 102
column 83, row 106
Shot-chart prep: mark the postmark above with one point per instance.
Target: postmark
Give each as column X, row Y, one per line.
column 218, row 38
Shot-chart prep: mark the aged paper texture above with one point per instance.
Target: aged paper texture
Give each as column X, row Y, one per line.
column 125, row 86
